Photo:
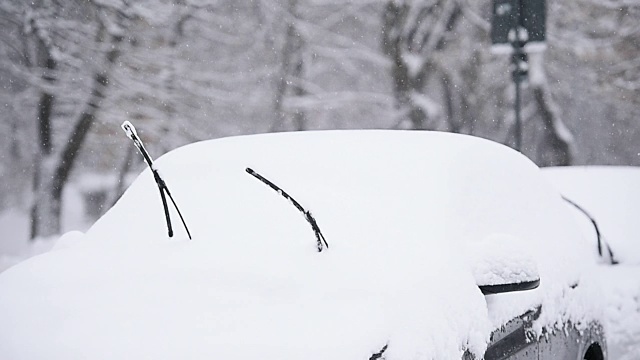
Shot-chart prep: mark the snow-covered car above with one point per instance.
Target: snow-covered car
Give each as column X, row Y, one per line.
column 606, row 203
column 374, row 245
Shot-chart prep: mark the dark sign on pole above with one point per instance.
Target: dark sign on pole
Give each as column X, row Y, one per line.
column 525, row 19
column 534, row 19
column 518, row 28
column 505, row 18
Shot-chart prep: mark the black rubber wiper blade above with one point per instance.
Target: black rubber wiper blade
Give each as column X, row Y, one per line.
column 379, row 354
column 599, row 236
column 321, row 241
column 130, row 130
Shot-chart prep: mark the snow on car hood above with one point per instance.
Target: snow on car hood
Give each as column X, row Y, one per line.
column 396, row 208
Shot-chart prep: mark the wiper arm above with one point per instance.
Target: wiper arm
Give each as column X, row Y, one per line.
column 321, row 242
column 599, row 236
column 130, row 130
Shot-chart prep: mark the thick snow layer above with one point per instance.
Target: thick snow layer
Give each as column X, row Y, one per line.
column 398, row 209
column 501, row 259
column 611, row 195
column 620, row 292
column 15, row 245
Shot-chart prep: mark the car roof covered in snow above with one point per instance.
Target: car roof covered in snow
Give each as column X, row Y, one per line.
column 397, row 208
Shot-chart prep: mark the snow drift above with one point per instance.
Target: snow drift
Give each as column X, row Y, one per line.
column 398, row 209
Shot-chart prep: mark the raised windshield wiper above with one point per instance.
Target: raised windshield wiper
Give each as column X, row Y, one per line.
column 321, row 242
column 130, row 130
column 599, row 236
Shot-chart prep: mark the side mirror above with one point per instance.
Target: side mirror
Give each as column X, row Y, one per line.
column 501, row 263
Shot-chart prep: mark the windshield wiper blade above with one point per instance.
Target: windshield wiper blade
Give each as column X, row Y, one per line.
column 321, row 241
column 379, row 354
column 130, row 130
column 599, row 236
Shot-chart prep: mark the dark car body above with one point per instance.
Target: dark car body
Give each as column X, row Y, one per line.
column 516, row 340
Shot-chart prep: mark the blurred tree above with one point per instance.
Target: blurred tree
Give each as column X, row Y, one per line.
column 611, row 39
column 590, row 62
column 48, row 53
column 558, row 145
column 412, row 33
column 440, row 55
column 291, row 74
column 188, row 70
column 444, row 76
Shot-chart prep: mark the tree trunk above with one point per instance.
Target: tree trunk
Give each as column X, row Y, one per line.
column 42, row 212
column 405, row 84
column 53, row 168
column 411, row 35
column 557, row 148
column 291, row 74
column 119, row 186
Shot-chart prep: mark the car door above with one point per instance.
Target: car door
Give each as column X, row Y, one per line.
column 560, row 345
column 573, row 344
column 514, row 340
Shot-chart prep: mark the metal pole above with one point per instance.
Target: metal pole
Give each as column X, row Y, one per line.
column 517, row 79
column 519, row 70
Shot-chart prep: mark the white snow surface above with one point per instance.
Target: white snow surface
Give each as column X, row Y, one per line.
column 612, row 196
column 501, row 259
column 398, row 209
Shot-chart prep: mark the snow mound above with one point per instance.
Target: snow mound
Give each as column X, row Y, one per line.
column 611, row 194
column 398, row 210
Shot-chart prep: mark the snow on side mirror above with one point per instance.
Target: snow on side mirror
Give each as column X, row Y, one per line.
column 501, row 263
